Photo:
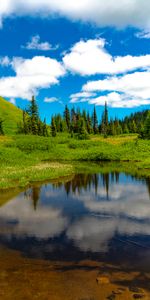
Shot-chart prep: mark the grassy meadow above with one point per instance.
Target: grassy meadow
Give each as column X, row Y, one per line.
column 26, row 159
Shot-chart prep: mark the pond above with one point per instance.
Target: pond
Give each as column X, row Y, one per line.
column 87, row 238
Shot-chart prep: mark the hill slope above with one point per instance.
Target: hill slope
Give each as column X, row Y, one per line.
column 11, row 116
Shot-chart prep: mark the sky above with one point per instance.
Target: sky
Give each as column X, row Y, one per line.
column 79, row 53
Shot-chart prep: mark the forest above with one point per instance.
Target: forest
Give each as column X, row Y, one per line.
column 81, row 124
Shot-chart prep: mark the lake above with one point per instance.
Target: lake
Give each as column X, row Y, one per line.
column 86, row 238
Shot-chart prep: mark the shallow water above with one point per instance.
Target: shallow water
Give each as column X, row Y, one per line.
column 95, row 225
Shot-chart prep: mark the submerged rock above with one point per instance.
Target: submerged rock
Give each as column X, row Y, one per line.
column 102, row 280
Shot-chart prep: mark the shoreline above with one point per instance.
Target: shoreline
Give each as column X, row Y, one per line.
column 57, row 171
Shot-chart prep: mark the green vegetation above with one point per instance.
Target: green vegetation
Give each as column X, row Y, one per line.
column 31, row 123
column 24, row 159
column 74, row 121
column 45, row 152
column 10, row 115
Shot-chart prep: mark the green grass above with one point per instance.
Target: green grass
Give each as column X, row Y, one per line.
column 11, row 116
column 25, row 159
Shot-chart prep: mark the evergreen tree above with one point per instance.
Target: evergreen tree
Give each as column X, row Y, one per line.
column 104, row 125
column 53, row 127
column 89, row 124
column 133, row 127
column 146, row 132
column 67, row 117
column 112, row 130
column 125, row 129
column 95, row 122
column 82, row 135
column 44, row 128
column 34, row 116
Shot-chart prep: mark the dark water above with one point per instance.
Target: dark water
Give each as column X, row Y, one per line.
column 103, row 217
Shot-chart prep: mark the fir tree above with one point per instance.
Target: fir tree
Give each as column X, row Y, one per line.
column 89, row 124
column 104, row 125
column 53, row 127
column 95, row 122
column 67, row 117
column 44, row 128
column 82, row 135
column 146, row 131
column 125, row 129
column 34, row 116
column 133, row 127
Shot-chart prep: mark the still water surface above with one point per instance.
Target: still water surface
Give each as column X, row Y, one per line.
column 103, row 218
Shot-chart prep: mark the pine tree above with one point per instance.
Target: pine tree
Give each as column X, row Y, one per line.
column 67, row 117
column 34, row 115
column 112, row 130
column 53, row 127
column 133, row 127
column 82, row 135
column 146, row 131
column 125, row 129
column 105, row 123
column 44, row 128
column 95, row 122
column 89, row 124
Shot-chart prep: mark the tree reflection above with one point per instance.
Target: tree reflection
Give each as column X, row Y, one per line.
column 34, row 195
column 84, row 182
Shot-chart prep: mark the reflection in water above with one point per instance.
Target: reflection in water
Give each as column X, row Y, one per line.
column 101, row 216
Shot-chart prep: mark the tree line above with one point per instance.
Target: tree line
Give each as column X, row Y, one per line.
column 81, row 124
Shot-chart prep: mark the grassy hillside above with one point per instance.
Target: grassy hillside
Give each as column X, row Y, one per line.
column 11, row 116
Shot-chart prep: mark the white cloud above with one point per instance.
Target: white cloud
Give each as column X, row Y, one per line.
column 103, row 13
column 51, row 100
column 125, row 91
column 81, row 97
column 90, row 57
column 36, row 44
column 126, row 213
column 46, row 223
column 31, row 75
column 118, row 100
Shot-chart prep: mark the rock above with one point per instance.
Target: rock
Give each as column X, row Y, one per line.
column 116, row 292
column 135, row 289
column 138, row 296
column 102, row 280
column 111, row 297
column 121, row 289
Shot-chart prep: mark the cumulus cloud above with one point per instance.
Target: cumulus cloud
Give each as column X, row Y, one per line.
column 126, row 213
column 52, row 100
column 103, row 13
column 36, row 44
column 31, row 75
column 45, row 223
column 81, row 97
column 90, row 57
column 129, row 90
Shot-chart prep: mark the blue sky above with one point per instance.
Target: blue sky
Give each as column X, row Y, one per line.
column 80, row 53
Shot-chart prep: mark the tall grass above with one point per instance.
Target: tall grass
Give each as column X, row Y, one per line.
column 29, row 158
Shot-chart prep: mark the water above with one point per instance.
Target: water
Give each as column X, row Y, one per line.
column 100, row 218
